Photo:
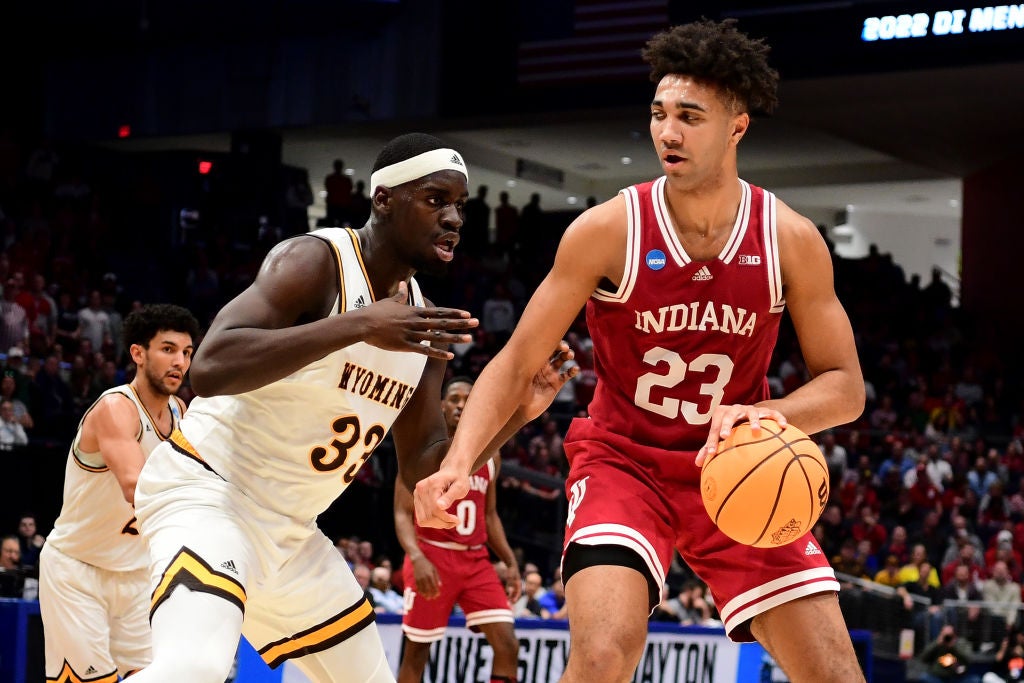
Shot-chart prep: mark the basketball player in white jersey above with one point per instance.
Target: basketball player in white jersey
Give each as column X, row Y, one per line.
column 298, row 380
column 94, row 567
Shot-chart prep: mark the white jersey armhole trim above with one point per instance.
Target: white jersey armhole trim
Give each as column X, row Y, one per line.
column 632, row 265
column 490, row 467
column 739, row 228
column 668, row 231
column 771, row 248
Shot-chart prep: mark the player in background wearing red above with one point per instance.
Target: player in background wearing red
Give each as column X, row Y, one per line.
column 685, row 280
column 448, row 566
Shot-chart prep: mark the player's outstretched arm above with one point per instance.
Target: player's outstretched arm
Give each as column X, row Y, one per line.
column 592, row 248
column 282, row 323
column 835, row 393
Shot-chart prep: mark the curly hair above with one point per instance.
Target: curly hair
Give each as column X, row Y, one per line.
column 142, row 325
column 717, row 53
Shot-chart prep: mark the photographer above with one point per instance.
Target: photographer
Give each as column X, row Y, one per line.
column 946, row 660
column 1009, row 664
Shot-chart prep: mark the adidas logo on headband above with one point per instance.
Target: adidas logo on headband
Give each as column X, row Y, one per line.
column 418, row 166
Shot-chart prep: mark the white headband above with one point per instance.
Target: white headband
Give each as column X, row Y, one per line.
column 418, row 166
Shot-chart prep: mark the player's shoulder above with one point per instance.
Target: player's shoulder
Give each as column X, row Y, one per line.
column 115, row 407
column 796, row 232
column 598, row 227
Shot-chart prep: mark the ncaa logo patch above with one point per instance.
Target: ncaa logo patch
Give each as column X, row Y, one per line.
column 655, row 259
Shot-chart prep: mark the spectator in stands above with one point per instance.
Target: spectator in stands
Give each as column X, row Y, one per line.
column 960, row 531
column 30, row 541
column 360, row 207
column 385, row 598
column 834, row 528
column 12, row 434
column 12, row 576
column 552, row 603
column 94, row 321
column 868, row 529
column 835, row 458
column 14, row 329
column 926, row 610
column 847, row 562
column 338, row 188
column 8, row 387
column 1009, row 663
column 940, row 472
column 888, row 575
column 1002, row 549
column 362, row 574
column 911, row 572
column 528, row 604
column 506, row 223
column 960, row 589
column 947, row 661
column 993, row 510
column 43, row 325
column 109, row 376
column 898, row 545
column 968, row 557
column 55, row 416
column 980, row 478
column 924, row 495
column 1000, row 589
column 884, row 417
column 69, row 324
column 499, row 314
column 474, row 235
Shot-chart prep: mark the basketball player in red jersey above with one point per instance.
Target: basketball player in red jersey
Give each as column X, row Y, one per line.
column 685, row 280
column 447, row 566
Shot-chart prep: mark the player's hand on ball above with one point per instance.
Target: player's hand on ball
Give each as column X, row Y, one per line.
column 726, row 417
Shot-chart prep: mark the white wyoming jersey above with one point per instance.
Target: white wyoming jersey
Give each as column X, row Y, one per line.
column 295, row 444
column 96, row 524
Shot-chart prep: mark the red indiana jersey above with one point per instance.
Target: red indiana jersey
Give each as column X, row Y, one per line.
column 679, row 337
column 471, row 531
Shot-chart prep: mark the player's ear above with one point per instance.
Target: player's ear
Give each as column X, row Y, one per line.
column 382, row 198
column 740, row 124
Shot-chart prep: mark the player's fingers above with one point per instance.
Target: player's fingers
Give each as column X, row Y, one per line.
column 451, row 314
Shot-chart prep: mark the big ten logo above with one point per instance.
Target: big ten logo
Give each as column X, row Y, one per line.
column 349, row 449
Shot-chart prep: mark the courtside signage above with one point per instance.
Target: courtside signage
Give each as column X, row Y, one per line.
column 944, row 23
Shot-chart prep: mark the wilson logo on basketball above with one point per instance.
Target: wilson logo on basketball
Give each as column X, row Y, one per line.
column 789, row 532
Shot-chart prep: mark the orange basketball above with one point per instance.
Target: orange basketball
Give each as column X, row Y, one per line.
column 768, row 490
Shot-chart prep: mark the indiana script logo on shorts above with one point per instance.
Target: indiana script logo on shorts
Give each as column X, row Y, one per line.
column 655, row 259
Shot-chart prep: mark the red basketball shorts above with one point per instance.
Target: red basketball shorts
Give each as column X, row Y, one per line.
column 648, row 499
column 467, row 578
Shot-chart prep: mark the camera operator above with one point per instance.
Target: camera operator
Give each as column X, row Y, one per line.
column 947, row 660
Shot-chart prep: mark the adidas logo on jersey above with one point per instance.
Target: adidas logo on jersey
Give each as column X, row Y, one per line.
column 230, row 566
column 90, row 670
column 703, row 274
column 811, row 549
column 360, row 302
